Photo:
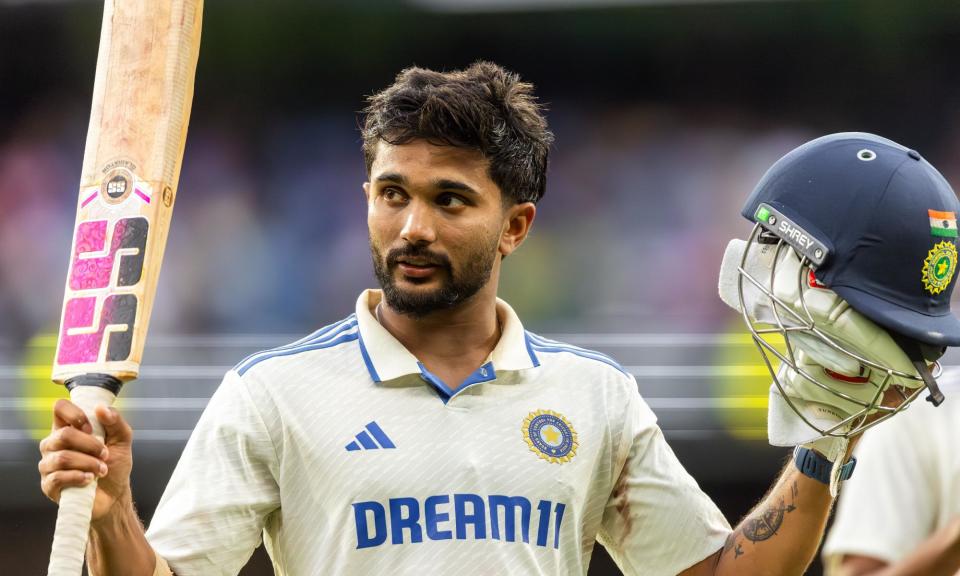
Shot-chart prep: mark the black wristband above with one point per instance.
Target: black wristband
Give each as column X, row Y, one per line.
column 816, row 466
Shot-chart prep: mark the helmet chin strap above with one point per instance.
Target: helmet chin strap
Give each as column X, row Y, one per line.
column 914, row 352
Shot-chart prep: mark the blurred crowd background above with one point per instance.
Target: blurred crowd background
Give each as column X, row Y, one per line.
column 665, row 114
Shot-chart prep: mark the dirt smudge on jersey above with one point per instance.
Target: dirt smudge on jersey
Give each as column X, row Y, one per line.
column 621, row 499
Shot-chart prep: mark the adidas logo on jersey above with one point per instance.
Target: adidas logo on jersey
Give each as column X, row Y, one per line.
column 372, row 437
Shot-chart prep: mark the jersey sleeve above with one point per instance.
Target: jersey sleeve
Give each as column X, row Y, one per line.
column 657, row 520
column 212, row 513
column 889, row 505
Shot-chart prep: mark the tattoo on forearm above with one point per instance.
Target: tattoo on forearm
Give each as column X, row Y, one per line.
column 765, row 525
column 732, row 544
column 762, row 525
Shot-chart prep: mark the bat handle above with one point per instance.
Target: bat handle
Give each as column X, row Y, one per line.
column 76, row 504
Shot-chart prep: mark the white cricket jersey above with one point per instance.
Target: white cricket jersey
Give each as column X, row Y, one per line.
column 905, row 486
column 350, row 457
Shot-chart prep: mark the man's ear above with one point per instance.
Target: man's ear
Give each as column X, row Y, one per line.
column 516, row 225
column 366, row 191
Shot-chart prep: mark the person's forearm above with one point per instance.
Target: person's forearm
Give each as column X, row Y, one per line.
column 118, row 545
column 938, row 555
column 781, row 535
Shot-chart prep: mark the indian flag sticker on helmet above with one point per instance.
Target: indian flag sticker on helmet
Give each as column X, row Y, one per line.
column 939, row 266
column 943, row 223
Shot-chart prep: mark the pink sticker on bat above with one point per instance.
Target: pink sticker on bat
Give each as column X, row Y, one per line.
column 90, row 198
column 119, row 310
column 86, row 273
column 141, row 194
column 80, row 348
column 95, row 272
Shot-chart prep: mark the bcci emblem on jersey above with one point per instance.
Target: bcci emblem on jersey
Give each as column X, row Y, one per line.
column 550, row 436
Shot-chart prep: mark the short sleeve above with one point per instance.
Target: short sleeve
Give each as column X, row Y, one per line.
column 657, row 521
column 212, row 513
column 888, row 507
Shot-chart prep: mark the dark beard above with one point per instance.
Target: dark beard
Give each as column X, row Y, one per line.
column 454, row 290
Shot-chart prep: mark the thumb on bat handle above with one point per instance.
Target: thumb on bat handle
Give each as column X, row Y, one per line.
column 87, row 397
column 76, row 504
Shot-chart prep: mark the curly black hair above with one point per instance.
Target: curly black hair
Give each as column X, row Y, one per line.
column 483, row 107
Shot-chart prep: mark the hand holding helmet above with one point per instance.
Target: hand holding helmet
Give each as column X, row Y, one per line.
column 851, row 262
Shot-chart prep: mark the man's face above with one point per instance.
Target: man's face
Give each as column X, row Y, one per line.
column 435, row 220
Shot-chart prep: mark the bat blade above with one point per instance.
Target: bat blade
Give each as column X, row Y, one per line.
column 138, row 124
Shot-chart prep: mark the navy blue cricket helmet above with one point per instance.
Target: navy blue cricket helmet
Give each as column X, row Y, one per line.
column 878, row 224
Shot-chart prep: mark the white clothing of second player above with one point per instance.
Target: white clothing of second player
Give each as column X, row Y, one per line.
column 349, row 457
column 906, row 485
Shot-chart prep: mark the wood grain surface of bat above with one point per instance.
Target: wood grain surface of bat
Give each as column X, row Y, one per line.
column 138, row 126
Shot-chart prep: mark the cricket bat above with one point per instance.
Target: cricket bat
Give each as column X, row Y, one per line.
column 138, row 126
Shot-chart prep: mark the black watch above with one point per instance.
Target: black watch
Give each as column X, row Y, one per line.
column 818, row 467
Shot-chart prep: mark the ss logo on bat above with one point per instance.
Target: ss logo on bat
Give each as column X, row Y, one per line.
column 102, row 267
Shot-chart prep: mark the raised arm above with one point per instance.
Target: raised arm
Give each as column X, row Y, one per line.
column 780, row 536
column 71, row 456
column 117, row 543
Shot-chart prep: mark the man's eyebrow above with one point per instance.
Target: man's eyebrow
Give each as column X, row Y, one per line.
column 394, row 177
column 445, row 184
column 440, row 183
